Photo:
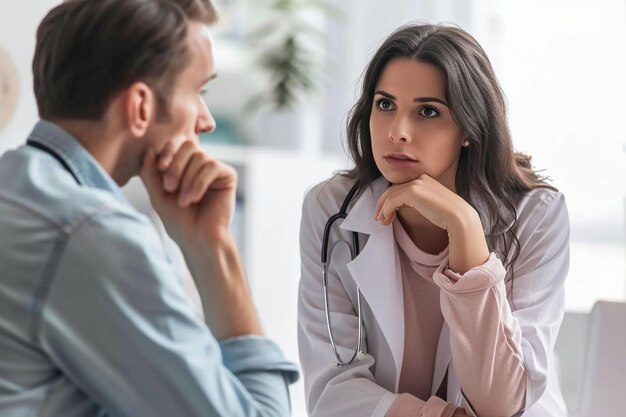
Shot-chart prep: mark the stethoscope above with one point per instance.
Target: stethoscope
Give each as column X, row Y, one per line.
column 354, row 252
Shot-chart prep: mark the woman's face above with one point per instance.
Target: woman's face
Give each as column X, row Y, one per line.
column 412, row 129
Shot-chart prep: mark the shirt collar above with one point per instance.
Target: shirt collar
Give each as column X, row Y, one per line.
column 81, row 163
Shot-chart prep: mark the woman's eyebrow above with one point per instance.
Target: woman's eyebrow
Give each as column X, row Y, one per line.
column 417, row 100
column 427, row 99
column 384, row 94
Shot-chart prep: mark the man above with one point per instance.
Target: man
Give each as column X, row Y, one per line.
column 94, row 320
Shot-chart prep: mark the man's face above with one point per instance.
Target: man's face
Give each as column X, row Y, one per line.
column 187, row 111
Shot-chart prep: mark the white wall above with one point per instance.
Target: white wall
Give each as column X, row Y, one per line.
column 562, row 69
column 18, row 25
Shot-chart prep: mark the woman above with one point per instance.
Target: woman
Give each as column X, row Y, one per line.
column 463, row 249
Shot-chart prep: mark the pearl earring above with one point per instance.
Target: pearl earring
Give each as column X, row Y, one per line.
column 466, row 144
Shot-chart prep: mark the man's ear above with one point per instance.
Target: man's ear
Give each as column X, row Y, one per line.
column 140, row 105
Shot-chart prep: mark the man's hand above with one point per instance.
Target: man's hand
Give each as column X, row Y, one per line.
column 194, row 194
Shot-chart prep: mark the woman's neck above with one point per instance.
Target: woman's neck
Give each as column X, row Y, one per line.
column 425, row 235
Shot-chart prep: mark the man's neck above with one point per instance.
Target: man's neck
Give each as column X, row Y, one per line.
column 104, row 142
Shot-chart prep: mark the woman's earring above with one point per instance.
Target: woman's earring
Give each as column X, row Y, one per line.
column 466, row 144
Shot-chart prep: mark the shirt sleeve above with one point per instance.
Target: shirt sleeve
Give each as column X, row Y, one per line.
column 502, row 350
column 116, row 321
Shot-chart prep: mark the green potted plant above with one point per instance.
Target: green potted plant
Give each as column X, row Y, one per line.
column 288, row 43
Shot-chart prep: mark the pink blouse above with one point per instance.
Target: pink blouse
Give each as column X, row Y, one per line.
column 432, row 293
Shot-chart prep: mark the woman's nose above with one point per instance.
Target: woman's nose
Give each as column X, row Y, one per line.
column 400, row 130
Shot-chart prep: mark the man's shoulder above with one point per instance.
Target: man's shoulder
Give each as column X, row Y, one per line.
column 38, row 188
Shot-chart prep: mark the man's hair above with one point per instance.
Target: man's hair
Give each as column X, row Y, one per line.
column 90, row 50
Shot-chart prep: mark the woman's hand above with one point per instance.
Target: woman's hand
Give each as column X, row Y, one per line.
column 434, row 201
column 445, row 209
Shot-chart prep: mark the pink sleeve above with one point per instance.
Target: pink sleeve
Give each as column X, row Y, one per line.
column 485, row 338
column 407, row 405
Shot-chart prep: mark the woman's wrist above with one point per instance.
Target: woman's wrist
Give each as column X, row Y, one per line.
column 467, row 244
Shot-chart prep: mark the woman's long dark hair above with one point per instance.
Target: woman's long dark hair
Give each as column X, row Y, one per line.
column 491, row 176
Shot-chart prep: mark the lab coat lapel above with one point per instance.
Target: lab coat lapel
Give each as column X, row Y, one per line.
column 442, row 359
column 377, row 269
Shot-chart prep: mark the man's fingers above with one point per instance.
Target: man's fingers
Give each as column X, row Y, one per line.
column 194, row 167
column 186, row 172
column 173, row 174
column 166, row 156
column 207, row 176
column 213, row 176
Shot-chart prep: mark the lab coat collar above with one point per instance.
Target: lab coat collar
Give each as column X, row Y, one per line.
column 360, row 218
column 378, row 261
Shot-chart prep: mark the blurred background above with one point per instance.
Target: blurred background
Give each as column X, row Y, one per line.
column 289, row 71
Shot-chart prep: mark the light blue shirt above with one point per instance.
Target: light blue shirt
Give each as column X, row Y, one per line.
column 94, row 320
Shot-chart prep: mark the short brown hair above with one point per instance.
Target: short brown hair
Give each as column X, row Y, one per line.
column 89, row 50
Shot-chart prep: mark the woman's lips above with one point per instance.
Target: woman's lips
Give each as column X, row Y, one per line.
column 400, row 161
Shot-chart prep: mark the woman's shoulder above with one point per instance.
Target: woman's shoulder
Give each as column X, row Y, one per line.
column 540, row 200
column 328, row 195
column 542, row 206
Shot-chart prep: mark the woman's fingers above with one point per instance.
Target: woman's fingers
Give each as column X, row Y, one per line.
column 390, row 201
column 383, row 200
column 410, row 194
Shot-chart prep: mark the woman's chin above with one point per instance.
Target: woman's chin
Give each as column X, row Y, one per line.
column 400, row 177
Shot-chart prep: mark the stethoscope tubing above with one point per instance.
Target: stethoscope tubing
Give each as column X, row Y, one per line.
column 325, row 260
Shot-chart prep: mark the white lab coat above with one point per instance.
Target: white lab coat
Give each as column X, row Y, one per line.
column 368, row 388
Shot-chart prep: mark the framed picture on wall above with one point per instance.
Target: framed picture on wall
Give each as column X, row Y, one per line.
column 9, row 88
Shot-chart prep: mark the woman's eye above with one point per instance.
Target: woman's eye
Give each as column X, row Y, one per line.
column 428, row 112
column 384, row 104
